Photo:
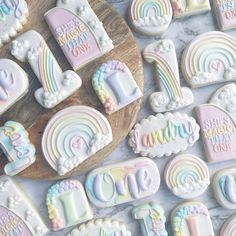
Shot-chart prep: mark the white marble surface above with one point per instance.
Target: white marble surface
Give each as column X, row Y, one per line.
column 181, row 32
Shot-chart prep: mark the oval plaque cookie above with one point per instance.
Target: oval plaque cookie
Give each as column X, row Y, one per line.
column 163, row 135
column 122, row 182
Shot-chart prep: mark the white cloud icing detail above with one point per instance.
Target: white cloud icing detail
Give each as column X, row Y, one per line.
column 203, row 78
column 230, row 73
column 152, row 21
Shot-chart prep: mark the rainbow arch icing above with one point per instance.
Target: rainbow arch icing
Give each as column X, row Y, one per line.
column 151, row 13
column 73, row 135
column 210, row 58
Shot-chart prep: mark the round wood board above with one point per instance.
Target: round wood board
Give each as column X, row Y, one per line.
column 34, row 117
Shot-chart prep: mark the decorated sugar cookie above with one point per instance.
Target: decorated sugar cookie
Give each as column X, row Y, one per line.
column 184, row 8
column 13, row 15
column 229, row 227
column 191, row 218
column 13, row 84
column 101, row 227
column 210, row 58
column 225, row 97
column 17, row 215
column 15, row 143
column 115, row 86
column 152, row 219
column 224, row 183
column 122, row 182
column 78, row 31
column 67, row 204
column 164, row 134
column 172, row 96
column 56, row 85
column 150, row 17
column 218, row 133
column 225, row 13
column 187, row 176
column 73, row 135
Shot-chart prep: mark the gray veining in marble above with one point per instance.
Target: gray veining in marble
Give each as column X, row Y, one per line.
column 181, row 32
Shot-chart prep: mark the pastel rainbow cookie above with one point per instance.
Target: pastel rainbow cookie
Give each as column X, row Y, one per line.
column 225, row 14
column 115, row 86
column 224, row 186
column 151, row 217
column 14, row 84
column 172, row 96
column 187, row 176
column 150, row 17
column 15, row 143
column 18, row 216
column 67, row 204
column 225, row 97
column 183, row 8
column 78, row 31
column 73, row 135
column 13, row 15
column 101, row 227
column 56, row 85
column 210, row 58
column 191, row 218
column 229, row 227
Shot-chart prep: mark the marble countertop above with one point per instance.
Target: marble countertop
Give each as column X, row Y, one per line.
column 181, row 32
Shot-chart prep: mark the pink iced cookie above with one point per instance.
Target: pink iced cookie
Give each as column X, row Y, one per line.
column 13, row 84
column 115, row 86
column 225, row 12
column 73, row 135
column 218, row 133
column 78, row 31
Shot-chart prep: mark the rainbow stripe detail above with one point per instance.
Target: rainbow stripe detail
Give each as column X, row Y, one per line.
column 47, row 67
column 166, row 75
column 142, row 8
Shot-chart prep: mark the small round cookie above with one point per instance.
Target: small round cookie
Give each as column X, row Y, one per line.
column 229, row 227
column 187, row 176
column 150, row 17
column 224, row 183
column 13, row 15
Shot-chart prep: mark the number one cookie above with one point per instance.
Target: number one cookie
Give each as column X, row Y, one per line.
column 171, row 97
column 56, row 85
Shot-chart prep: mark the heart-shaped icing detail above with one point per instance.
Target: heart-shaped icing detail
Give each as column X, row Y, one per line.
column 13, row 84
column 56, row 85
column 210, row 58
column 13, row 15
column 218, row 132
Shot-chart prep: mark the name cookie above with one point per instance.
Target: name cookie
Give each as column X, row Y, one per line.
column 228, row 228
column 210, row 58
column 56, row 85
column 150, row 17
column 184, row 8
column 122, row 182
column 224, row 188
column 164, row 134
column 15, row 143
column 218, row 133
column 101, row 227
column 191, row 218
column 13, row 15
column 115, row 86
column 172, row 96
column 17, row 215
column 14, row 83
column 187, row 176
column 225, row 13
column 78, row 31
column 225, row 97
column 152, row 219
column 67, row 204
column 73, row 135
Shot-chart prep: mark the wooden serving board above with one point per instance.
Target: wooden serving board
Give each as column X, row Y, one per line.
column 28, row 112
